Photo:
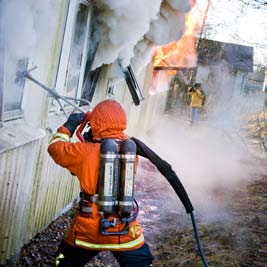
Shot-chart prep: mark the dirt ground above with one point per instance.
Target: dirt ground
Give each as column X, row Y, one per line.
column 239, row 241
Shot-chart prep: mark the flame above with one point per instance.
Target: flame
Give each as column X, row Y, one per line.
column 160, row 82
column 181, row 54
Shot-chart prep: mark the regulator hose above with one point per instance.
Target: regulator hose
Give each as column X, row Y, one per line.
column 199, row 245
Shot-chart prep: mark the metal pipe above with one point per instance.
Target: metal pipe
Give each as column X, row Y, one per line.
column 53, row 92
column 2, row 54
column 61, row 106
column 79, row 99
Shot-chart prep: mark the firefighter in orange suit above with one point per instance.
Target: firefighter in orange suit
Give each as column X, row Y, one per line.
column 84, row 240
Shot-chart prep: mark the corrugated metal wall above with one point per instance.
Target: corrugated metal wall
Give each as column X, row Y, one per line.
column 32, row 190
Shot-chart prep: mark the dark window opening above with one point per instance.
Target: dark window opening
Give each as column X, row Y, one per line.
column 89, row 85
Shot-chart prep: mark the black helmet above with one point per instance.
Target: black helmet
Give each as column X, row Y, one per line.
column 197, row 85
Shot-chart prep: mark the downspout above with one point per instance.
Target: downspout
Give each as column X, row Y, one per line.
column 1, row 65
column 243, row 83
column 264, row 112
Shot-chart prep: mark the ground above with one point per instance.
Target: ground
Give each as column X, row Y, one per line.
column 236, row 240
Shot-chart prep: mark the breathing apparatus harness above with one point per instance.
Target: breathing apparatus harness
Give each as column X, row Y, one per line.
column 106, row 224
column 116, row 182
column 115, row 191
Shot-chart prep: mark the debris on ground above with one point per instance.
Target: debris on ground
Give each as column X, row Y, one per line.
column 240, row 241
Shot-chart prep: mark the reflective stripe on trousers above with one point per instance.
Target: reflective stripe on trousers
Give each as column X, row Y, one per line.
column 60, row 256
column 112, row 247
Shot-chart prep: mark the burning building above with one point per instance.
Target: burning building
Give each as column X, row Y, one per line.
column 83, row 49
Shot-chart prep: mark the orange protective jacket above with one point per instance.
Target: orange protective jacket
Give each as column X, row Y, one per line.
column 108, row 120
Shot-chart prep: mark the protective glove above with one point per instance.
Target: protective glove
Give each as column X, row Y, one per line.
column 74, row 120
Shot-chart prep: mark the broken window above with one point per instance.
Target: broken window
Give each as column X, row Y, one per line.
column 74, row 50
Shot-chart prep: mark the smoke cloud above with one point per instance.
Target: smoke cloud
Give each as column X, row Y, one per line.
column 131, row 32
column 210, row 163
column 26, row 27
column 215, row 157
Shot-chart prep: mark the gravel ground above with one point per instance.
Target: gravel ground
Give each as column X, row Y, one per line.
column 238, row 242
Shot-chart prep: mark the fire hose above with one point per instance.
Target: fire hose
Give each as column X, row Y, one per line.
column 166, row 170
column 199, row 245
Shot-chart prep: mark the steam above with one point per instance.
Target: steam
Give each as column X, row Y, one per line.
column 16, row 31
column 210, row 163
column 131, row 32
column 213, row 158
column 26, row 25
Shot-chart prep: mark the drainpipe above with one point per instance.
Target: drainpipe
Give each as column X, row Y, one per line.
column 265, row 111
column 243, row 83
column 1, row 66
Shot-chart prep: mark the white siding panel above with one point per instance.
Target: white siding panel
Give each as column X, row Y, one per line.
column 33, row 190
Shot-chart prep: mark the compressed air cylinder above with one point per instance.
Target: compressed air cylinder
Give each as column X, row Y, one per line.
column 127, row 173
column 108, row 175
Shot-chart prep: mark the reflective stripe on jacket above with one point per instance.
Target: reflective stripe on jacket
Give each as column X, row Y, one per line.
column 83, row 161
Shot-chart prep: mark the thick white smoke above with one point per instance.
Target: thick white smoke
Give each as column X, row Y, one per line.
column 27, row 28
column 25, row 25
column 210, row 163
column 215, row 157
column 19, row 41
column 131, row 31
column 19, row 23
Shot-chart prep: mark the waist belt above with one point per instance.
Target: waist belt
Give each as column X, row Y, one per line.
column 106, row 224
column 86, row 204
column 88, row 197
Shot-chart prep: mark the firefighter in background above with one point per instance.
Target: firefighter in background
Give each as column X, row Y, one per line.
column 197, row 101
column 85, row 237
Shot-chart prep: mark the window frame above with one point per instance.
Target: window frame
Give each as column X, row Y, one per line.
column 65, row 56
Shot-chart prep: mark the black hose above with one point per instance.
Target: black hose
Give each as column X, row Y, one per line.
column 201, row 252
column 167, row 171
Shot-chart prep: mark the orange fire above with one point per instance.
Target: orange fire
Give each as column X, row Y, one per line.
column 181, row 54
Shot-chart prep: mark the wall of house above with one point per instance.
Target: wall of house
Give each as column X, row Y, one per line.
column 30, row 181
